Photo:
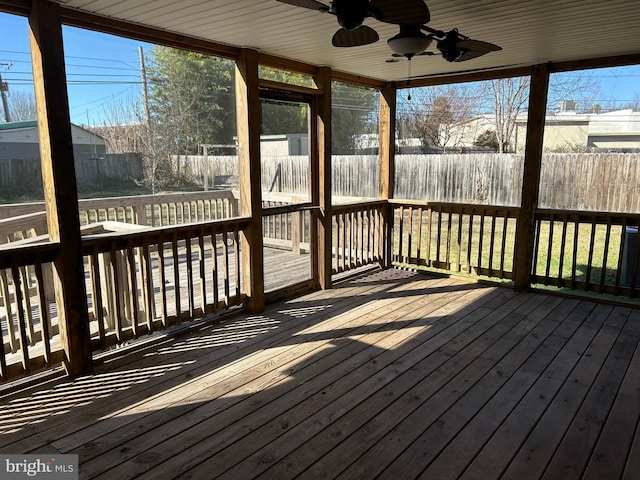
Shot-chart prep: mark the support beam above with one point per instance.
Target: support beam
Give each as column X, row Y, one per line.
column 248, row 121
column 387, row 164
column 59, row 180
column 525, row 227
column 321, row 177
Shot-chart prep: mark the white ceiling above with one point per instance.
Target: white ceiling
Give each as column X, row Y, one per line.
column 529, row 31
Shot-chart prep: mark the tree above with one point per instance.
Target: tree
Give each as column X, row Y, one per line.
column 22, row 106
column 191, row 99
column 510, row 96
column 439, row 115
column 354, row 117
column 283, row 118
column 487, row 139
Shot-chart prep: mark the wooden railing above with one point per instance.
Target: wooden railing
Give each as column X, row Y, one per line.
column 588, row 251
column 358, row 235
column 141, row 279
column 28, row 326
column 286, row 222
column 471, row 239
column 151, row 210
column 138, row 279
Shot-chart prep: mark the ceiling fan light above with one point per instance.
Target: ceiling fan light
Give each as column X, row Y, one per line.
column 409, row 45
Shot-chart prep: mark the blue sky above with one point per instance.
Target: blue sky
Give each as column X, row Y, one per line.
column 100, row 68
column 103, row 70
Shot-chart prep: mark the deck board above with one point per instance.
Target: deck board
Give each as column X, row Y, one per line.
column 394, row 374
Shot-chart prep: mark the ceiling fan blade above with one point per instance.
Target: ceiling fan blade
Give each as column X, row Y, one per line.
column 360, row 36
column 400, row 12
column 474, row 49
column 311, row 4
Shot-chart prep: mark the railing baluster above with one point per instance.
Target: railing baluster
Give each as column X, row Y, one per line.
column 623, row 239
column 536, row 243
column 503, row 245
column 549, row 250
column 163, row 282
column 176, row 277
column 4, row 286
column 448, row 240
column 236, row 257
column 574, row 266
column 605, row 257
column 439, row 237
column 225, row 265
column 409, row 233
column 43, row 307
column 26, row 300
column 202, row 271
column 470, row 240
column 592, row 241
column 562, row 248
column 96, row 292
column 116, row 292
column 214, row 267
column 189, row 265
column 18, row 284
column 149, row 294
column 492, row 242
column 429, row 218
column 133, row 301
column 400, row 234
column 459, row 243
column 481, row 238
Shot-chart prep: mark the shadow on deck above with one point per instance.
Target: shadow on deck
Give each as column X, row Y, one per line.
column 391, row 375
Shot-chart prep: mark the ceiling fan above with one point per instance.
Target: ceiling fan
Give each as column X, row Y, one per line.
column 352, row 13
column 412, row 17
column 452, row 45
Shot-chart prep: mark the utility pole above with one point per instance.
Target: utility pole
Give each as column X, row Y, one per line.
column 150, row 135
column 4, row 88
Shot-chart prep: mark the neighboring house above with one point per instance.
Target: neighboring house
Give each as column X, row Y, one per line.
column 286, row 144
column 617, row 130
column 20, row 141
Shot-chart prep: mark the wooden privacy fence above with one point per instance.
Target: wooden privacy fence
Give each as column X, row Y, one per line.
column 489, row 179
column 598, row 182
column 569, row 181
column 91, row 170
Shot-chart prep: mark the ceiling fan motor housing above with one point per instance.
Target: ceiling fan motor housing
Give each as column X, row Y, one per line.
column 350, row 13
column 448, row 46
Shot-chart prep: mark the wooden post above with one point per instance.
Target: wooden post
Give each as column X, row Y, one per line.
column 525, row 226
column 387, row 166
column 248, row 120
column 321, row 178
column 59, row 180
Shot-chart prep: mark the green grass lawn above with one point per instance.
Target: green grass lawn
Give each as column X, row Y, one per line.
column 590, row 246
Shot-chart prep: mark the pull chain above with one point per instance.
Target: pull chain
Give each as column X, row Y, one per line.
column 409, row 80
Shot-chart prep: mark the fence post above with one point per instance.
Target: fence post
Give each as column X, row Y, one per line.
column 525, row 226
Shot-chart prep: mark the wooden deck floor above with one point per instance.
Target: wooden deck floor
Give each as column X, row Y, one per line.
column 395, row 375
